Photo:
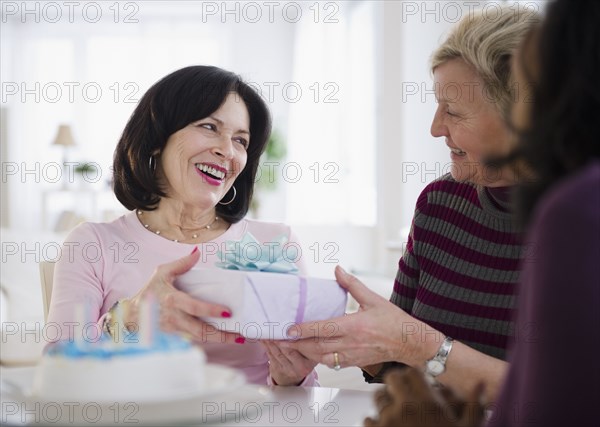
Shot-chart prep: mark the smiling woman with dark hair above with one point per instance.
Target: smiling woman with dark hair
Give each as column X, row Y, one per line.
column 182, row 98
column 185, row 166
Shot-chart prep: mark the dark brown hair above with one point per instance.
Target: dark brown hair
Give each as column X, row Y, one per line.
column 183, row 97
column 562, row 136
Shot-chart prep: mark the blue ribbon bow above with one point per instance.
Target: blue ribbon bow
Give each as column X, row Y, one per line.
column 250, row 255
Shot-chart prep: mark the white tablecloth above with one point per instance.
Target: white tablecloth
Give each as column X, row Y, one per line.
column 246, row 406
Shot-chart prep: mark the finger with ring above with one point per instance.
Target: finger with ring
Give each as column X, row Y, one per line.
column 336, row 361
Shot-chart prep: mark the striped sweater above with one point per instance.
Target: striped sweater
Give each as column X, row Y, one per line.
column 460, row 268
column 459, row 271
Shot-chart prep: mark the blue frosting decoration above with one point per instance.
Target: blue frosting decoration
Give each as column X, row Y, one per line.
column 106, row 348
column 250, row 255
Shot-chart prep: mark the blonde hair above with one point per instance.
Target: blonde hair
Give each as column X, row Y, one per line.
column 487, row 43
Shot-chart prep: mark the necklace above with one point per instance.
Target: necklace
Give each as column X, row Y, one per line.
column 157, row 232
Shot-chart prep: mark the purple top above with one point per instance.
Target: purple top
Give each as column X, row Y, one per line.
column 555, row 368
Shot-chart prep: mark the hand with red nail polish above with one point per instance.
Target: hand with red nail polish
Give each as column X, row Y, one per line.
column 179, row 312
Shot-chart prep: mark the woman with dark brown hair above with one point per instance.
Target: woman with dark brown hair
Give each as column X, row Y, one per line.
column 185, row 167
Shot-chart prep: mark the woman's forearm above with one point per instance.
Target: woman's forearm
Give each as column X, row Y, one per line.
column 465, row 366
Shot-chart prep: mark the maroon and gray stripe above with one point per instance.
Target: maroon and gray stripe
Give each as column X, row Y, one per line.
column 459, row 272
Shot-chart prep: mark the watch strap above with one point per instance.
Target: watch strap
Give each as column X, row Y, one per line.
column 441, row 356
column 444, row 351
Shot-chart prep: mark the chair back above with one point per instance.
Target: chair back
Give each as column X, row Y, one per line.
column 46, row 279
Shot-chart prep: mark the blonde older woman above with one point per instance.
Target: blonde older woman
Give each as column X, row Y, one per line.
column 452, row 308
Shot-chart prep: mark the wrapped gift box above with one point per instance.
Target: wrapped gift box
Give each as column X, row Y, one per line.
column 264, row 304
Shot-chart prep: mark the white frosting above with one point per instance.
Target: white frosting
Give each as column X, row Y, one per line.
column 129, row 378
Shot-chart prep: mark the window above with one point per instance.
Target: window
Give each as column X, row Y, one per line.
column 330, row 175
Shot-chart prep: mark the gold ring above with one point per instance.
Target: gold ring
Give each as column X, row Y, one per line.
column 336, row 361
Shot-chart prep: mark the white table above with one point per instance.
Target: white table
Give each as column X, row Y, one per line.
column 247, row 406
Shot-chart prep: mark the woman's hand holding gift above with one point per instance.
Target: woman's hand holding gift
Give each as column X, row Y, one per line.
column 378, row 332
column 287, row 366
column 179, row 312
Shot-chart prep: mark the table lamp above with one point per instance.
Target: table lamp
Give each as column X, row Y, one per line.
column 64, row 137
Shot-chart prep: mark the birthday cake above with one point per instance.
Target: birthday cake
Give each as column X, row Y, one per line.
column 169, row 367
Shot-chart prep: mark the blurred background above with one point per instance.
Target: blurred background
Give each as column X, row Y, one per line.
column 348, row 84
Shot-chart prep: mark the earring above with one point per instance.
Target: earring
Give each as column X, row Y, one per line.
column 232, row 199
column 152, row 163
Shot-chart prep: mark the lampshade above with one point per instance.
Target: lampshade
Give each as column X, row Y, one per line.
column 64, row 136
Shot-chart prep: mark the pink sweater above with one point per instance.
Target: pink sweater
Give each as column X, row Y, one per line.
column 104, row 262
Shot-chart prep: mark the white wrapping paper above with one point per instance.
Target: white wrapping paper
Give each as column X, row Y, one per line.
column 264, row 304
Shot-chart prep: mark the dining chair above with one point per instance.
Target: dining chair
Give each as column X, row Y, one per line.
column 46, row 278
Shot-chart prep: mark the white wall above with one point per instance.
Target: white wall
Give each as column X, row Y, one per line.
column 248, row 49
column 407, row 151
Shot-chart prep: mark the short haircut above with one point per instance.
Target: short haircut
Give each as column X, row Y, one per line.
column 183, row 97
column 486, row 41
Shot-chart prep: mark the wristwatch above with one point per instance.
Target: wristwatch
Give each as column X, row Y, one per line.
column 437, row 365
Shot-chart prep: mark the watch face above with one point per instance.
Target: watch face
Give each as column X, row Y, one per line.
column 435, row 367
